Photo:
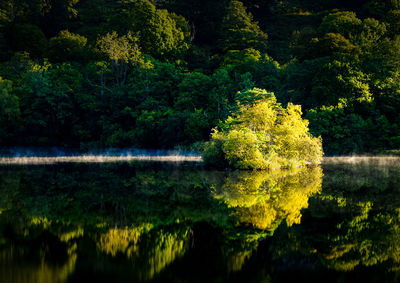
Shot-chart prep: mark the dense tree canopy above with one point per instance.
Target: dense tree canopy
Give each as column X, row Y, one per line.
column 97, row 73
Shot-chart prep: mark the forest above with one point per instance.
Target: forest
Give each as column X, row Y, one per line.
column 162, row 74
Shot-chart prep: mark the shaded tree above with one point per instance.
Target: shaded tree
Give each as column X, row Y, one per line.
column 239, row 31
column 67, row 46
column 27, row 37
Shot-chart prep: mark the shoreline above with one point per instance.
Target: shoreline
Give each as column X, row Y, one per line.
column 361, row 159
column 32, row 160
column 177, row 158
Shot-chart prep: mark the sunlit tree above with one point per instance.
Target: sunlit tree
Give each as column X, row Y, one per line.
column 264, row 135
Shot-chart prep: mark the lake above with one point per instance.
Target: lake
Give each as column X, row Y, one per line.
column 178, row 222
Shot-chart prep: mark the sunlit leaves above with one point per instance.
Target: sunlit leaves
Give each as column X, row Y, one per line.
column 241, row 149
column 263, row 200
column 264, row 135
column 123, row 51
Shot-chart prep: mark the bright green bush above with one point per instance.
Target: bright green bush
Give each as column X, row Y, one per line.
column 263, row 135
column 242, row 150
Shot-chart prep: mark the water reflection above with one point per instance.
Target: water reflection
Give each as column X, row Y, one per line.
column 353, row 224
column 150, row 253
column 120, row 222
column 57, row 221
column 42, row 260
column 263, row 200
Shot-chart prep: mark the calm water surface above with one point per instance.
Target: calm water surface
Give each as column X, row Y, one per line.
column 130, row 222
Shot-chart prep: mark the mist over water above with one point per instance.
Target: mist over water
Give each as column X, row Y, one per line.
column 59, row 151
column 53, row 155
column 364, row 160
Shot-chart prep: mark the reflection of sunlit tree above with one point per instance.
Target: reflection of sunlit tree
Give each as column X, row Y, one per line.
column 14, row 268
column 236, row 260
column 166, row 248
column 263, row 199
column 122, row 240
column 355, row 222
column 144, row 216
column 150, row 251
column 70, row 235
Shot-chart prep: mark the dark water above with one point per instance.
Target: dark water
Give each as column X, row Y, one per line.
column 133, row 222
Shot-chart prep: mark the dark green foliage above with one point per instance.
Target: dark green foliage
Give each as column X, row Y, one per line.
column 67, row 46
column 27, row 37
column 10, row 114
column 329, row 44
column 47, row 96
column 345, row 77
column 239, row 31
column 345, row 23
column 205, row 18
column 393, row 20
column 161, row 34
column 99, row 73
column 193, row 92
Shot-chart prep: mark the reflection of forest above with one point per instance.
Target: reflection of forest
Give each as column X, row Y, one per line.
column 143, row 217
column 14, row 266
column 152, row 254
column 355, row 221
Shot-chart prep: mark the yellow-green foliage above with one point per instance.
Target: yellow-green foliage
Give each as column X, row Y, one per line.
column 163, row 247
column 263, row 199
column 263, row 135
column 241, row 148
column 122, row 240
column 44, row 271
